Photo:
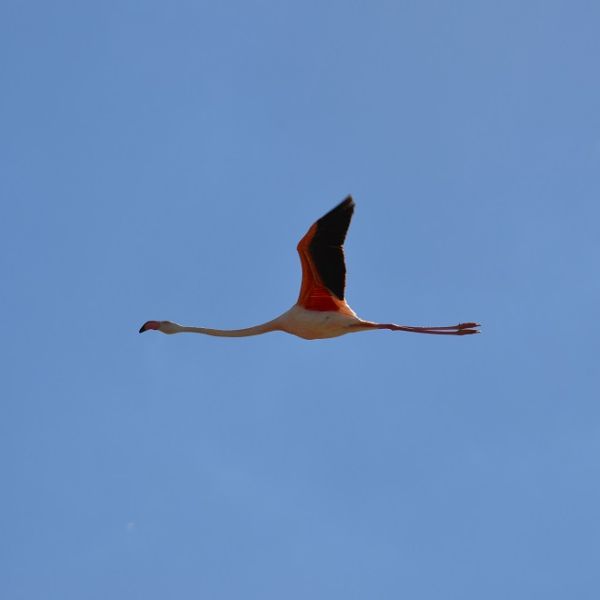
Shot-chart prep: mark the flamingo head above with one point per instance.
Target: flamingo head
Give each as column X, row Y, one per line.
column 162, row 326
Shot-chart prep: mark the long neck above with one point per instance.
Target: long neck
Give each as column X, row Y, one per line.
column 256, row 330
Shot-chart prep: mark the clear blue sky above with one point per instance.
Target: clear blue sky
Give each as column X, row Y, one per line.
column 161, row 161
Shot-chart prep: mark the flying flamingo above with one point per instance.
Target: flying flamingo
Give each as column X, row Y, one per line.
column 321, row 311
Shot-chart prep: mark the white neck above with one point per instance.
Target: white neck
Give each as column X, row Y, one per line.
column 256, row 330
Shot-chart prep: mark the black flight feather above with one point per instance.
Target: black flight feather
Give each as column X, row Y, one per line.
column 326, row 247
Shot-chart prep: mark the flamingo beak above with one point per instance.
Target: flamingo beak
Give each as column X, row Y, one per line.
column 149, row 325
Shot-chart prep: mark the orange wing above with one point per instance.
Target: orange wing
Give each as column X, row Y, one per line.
column 322, row 256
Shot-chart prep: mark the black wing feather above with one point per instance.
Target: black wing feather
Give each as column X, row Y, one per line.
column 326, row 247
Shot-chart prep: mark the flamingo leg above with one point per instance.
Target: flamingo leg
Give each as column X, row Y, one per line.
column 460, row 329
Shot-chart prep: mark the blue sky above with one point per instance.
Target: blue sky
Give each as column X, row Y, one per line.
column 161, row 161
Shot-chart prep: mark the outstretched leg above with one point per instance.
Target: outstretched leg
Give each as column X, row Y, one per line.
column 460, row 329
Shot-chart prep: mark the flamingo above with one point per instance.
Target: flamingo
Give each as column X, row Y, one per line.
column 321, row 310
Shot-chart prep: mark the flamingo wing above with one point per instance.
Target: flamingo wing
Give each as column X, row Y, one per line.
column 322, row 256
